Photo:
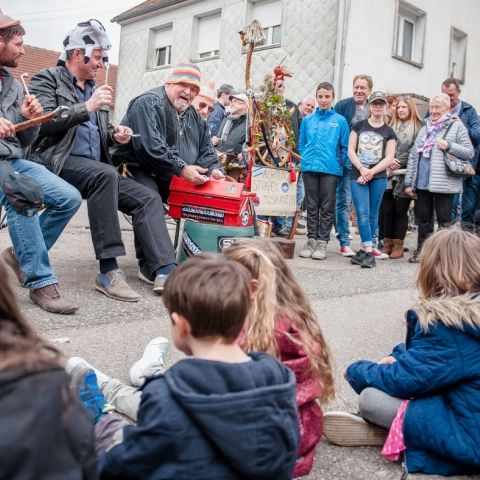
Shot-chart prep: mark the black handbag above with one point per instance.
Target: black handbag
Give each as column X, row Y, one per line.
column 455, row 166
column 24, row 193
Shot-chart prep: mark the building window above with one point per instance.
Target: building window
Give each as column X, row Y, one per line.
column 409, row 37
column 162, row 47
column 269, row 14
column 458, row 54
column 208, row 29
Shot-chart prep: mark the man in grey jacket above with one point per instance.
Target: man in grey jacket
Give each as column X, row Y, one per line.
column 32, row 236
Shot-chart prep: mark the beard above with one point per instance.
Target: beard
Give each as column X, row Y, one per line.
column 180, row 105
column 6, row 59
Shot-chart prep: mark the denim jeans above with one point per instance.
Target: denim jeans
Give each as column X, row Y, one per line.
column 470, row 200
column 33, row 236
column 344, row 198
column 366, row 200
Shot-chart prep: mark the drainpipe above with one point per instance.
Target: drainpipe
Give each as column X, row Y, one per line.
column 340, row 45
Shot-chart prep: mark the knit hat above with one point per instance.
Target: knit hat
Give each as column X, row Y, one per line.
column 6, row 21
column 185, row 73
column 88, row 36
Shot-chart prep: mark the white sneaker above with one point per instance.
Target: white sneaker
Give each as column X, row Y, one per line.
column 348, row 430
column 152, row 362
column 379, row 255
column 320, row 253
column 308, row 249
column 72, row 362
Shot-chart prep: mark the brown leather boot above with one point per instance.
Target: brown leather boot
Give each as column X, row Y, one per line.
column 49, row 299
column 387, row 246
column 397, row 250
column 8, row 256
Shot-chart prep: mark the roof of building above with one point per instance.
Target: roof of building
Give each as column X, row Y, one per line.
column 35, row 59
column 145, row 7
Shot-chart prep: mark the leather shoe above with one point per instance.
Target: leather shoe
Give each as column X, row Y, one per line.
column 9, row 257
column 49, row 299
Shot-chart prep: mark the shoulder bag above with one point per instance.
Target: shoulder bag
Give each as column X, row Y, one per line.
column 455, row 166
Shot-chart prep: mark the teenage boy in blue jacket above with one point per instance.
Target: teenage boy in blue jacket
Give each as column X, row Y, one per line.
column 323, row 145
column 221, row 414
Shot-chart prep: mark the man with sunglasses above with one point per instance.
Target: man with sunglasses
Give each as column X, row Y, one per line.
column 204, row 101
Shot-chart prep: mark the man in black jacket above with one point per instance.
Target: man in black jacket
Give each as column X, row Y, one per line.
column 77, row 149
column 173, row 139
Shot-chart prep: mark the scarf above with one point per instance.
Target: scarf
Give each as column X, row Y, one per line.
column 433, row 129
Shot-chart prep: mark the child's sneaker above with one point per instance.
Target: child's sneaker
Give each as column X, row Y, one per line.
column 346, row 251
column 348, row 430
column 84, row 384
column 379, row 255
column 152, row 362
column 358, row 258
column 308, row 249
column 320, row 253
column 73, row 362
column 368, row 260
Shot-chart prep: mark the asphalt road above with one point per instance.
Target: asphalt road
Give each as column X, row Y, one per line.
column 360, row 311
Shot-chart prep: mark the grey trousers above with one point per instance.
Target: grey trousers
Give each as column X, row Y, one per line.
column 378, row 407
column 126, row 400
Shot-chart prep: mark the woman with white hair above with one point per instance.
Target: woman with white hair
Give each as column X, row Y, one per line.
column 427, row 175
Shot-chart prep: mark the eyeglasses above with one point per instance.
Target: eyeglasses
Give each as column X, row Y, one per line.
column 202, row 105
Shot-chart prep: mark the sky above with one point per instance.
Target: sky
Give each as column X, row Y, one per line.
column 47, row 21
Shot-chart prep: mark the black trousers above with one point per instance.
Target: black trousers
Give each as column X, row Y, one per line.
column 320, row 199
column 106, row 192
column 394, row 215
column 428, row 203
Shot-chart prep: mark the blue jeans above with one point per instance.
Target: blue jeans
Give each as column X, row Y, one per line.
column 366, row 200
column 33, row 236
column 344, row 198
column 470, row 200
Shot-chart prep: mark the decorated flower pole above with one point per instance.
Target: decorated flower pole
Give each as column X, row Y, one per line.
column 251, row 37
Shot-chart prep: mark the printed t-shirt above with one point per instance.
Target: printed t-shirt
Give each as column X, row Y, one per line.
column 371, row 145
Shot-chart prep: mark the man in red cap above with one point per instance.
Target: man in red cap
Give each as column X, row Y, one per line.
column 32, row 236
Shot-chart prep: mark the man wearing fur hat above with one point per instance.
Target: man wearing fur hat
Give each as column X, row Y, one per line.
column 77, row 149
column 174, row 138
column 32, row 236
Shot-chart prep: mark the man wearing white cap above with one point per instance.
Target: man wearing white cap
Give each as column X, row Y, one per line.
column 77, row 149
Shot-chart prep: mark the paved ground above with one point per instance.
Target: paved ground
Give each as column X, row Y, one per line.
column 360, row 311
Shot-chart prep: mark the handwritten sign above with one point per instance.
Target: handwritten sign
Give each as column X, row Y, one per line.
column 277, row 194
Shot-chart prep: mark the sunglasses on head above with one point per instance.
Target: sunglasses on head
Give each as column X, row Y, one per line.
column 202, row 105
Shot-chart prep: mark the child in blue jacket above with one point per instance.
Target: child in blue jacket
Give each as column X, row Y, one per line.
column 323, row 144
column 427, row 392
column 221, row 414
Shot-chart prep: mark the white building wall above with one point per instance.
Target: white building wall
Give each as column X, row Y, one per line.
column 307, row 49
column 369, row 46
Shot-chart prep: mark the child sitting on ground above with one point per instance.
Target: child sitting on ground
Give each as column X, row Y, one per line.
column 45, row 433
column 283, row 324
column 427, row 392
column 221, row 414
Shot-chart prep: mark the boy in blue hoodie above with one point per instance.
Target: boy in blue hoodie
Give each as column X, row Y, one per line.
column 323, row 145
column 221, row 414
